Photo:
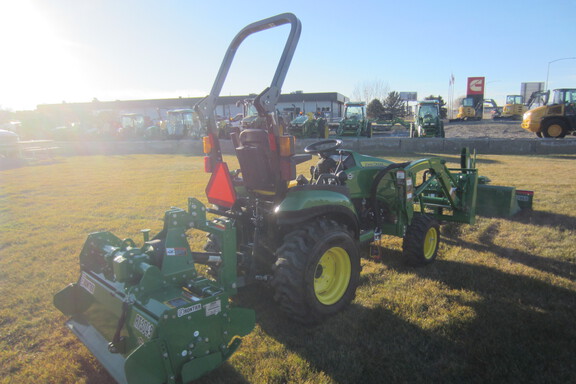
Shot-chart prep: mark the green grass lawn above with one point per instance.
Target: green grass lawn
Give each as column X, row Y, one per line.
column 499, row 304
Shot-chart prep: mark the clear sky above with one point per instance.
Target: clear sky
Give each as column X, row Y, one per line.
column 78, row 50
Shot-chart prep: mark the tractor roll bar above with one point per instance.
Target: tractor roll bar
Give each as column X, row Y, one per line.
column 269, row 97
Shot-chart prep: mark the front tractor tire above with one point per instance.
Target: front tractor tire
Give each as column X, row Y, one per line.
column 421, row 241
column 317, row 271
column 554, row 129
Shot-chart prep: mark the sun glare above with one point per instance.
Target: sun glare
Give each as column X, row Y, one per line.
column 38, row 65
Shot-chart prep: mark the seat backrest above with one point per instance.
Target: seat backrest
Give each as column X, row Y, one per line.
column 255, row 160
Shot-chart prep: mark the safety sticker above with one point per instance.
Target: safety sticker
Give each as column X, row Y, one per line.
column 143, row 326
column 213, row 308
column 175, row 251
column 86, row 283
column 188, row 310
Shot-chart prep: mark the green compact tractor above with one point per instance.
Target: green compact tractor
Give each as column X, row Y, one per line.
column 355, row 122
column 148, row 313
column 306, row 126
column 428, row 122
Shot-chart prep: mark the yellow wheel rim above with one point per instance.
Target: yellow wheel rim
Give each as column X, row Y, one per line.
column 554, row 130
column 332, row 275
column 430, row 242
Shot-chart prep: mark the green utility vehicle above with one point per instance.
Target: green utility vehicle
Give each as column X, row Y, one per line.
column 355, row 121
column 307, row 126
column 428, row 121
column 150, row 316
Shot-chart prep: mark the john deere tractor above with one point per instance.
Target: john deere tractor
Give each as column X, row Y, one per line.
column 150, row 316
column 428, row 121
column 355, row 121
column 308, row 126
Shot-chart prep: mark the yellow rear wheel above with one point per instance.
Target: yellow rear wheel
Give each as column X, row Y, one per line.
column 317, row 270
column 332, row 275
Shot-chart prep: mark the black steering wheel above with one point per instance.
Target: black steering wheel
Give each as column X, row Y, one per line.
column 323, row 146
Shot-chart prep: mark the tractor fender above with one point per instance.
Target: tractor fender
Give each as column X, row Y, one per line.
column 304, row 203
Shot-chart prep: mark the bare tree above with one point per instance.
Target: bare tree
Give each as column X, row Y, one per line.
column 370, row 89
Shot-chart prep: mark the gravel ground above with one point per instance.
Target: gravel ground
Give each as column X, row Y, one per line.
column 487, row 129
column 477, row 129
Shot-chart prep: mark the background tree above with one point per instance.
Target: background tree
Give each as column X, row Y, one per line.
column 393, row 105
column 370, row 90
column 443, row 109
column 375, row 109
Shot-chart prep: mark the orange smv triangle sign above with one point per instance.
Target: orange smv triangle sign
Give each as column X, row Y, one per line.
column 220, row 190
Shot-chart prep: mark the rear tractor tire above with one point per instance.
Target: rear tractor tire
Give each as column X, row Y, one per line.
column 317, row 271
column 421, row 241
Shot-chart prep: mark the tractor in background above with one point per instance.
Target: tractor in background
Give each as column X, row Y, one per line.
column 554, row 120
column 355, row 121
column 133, row 125
column 182, row 123
column 308, row 126
column 428, row 121
column 150, row 316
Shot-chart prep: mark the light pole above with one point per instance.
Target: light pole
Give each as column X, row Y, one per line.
column 553, row 61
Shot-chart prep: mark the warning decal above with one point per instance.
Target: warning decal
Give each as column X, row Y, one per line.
column 213, row 308
column 86, row 283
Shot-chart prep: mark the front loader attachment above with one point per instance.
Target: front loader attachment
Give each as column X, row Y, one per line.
column 458, row 194
column 500, row 201
column 146, row 313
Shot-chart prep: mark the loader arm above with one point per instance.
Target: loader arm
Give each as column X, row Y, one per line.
column 448, row 194
column 265, row 102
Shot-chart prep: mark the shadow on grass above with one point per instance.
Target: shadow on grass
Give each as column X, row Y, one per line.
column 560, row 268
column 521, row 331
column 358, row 345
column 545, row 219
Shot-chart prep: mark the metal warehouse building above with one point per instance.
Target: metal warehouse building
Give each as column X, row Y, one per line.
column 329, row 104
